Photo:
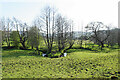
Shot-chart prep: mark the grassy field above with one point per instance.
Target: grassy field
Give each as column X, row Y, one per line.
column 78, row 63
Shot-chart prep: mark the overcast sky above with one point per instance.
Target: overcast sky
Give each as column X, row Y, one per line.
column 80, row 11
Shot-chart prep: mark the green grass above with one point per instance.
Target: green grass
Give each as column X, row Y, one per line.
column 77, row 64
column 15, row 53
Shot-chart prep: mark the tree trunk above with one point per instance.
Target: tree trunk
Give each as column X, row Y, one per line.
column 81, row 44
column 49, row 50
column 9, row 44
column 59, row 45
column 37, row 48
column 32, row 46
column 70, row 46
column 23, row 44
column 102, row 45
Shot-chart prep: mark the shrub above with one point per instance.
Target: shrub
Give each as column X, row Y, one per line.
column 50, row 55
column 63, row 50
column 54, row 55
column 44, row 50
column 71, row 50
column 36, row 53
column 57, row 54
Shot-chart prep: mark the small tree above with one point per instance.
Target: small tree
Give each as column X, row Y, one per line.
column 71, row 34
column 15, row 38
column 33, row 37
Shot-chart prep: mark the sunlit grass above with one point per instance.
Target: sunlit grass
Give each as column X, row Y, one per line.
column 77, row 64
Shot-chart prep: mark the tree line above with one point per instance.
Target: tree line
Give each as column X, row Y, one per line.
column 53, row 28
column 50, row 26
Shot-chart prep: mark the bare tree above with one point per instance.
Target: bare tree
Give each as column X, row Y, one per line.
column 99, row 32
column 86, row 37
column 59, row 25
column 3, row 29
column 71, row 34
column 22, row 30
column 47, row 26
column 113, row 38
column 81, row 37
column 64, row 32
column 8, row 32
column 6, row 25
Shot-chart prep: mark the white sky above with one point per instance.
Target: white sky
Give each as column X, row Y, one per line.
column 80, row 11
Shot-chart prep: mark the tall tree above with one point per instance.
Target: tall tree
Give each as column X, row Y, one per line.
column 3, row 29
column 81, row 37
column 71, row 34
column 8, row 32
column 6, row 24
column 64, row 34
column 47, row 22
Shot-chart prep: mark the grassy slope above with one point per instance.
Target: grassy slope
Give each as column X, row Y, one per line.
column 81, row 64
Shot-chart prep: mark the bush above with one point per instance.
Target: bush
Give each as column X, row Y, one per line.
column 50, row 55
column 36, row 53
column 44, row 50
column 54, row 55
column 63, row 50
column 71, row 50
column 57, row 54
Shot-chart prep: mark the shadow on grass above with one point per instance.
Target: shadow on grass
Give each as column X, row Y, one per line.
column 5, row 48
column 8, row 48
column 80, row 49
column 13, row 52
